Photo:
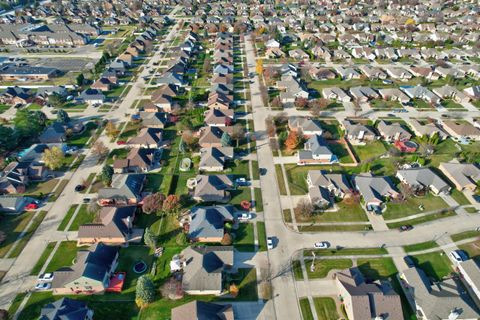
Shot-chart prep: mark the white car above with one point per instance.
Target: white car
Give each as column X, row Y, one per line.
column 43, row 286
column 270, row 243
column 321, row 245
column 46, row 277
column 245, row 217
column 458, row 256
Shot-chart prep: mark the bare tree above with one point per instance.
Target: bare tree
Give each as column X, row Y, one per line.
column 305, row 208
column 99, row 149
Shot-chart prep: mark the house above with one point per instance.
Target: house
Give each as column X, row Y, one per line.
column 373, row 73
column 138, row 160
column 316, row 151
column 92, row 97
column 393, row 94
column 374, row 190
column 305, row 126
column 393, row 131
column 102, row 84
column 419, row 92
column 212, row 136
column 427, row 129
column 212, row 188
column 214, row 159
column 398, row 73
column 347, row 73
column 272, row 43
column 335, row 93
column 219, row 118
column 17, row 175
column 274, row 53
column 423, row 179
column 172, row 78
column 125, row 189
column 91, row 272
column 319, row 197
column 157, row 120
column 203, row 310
column 293, row 89
column 465, row 176
column 66, row 308
column 57, row 132
column 11, row 72
column 363, row 94
column 449, row 92
column 357, row 132
column 206, row 224
column 473, row 92
column 320, row 74
column 114, row 225
column 298, row 54
column 217, row 100
column 364, row 300
column 16, row 95
column 147, row 138
column 461, row 129
column 441, row 300
column 204, row 269
column 470, row 273
column 337, row 184
column 13, row 204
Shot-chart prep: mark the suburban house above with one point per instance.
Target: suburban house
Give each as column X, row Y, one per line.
column 464, row 176
column 93, row 97
column 102, row 84
column 91, row 272
column 114, row 226
column 442, row 300
column 363, row 94
column 138, row 160
column 335, row 93
column 125, row 189
column 203, row 310
column 292, row 89
column 427, row 129
column 305, row 126
column 213, row 188
column 398, row 73
column 321, row 73
column 337, row 184
column 461, row 129
column 57, row 132
column 13, row 204
column 219, row 118
column 347, row 73
column 319, row 197
column 372, row 72
column 212, row 136
column 364, row 300
column 473, row 92
column 449, row 92
column 316, row 151
column 470, row 273
column 419, row 92
column 274, row 53
column 17, row 175
column 357, row 132
column 214, row 159
column 157, row 120
column 393, row 131
column 16, row 95
column 206, row 224
column 375, row 190
column 66, row 308
column 147, row 138
column 393, row 94
column 422, row 180
column 204, row 268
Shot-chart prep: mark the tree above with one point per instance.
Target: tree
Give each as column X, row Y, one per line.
column 8, row 139
column 305, row 208
column 276, row 103
column 185, row 124
column 63, row 117
column 106, row 175
column 149, row 238
column 80, row 80
column 111, row 129
column 259, row 66
column 171, row 203
column 3, row 314
column 189, row 138
column 144, row 292
column 292, row 140
column 233, row 290
column 29, row 124
column 207, row 66
column 53, row 158
column 56, row 100
column 99, row 149
column 301, row 103
column 226, row 140
column 226, row 240
column 153, row 203
column 238, row 133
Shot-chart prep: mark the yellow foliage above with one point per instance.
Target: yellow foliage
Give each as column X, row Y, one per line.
column 409, row 21
column 259, row 67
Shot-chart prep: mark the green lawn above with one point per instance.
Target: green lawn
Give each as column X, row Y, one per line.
column 459, row 197
column 127, row 258
column 12, row 225
column 370, row 150
column 258, row 199
column 81, row 139
column 326, row 308
column 43, row 258
column 3, row 108
column 67, row 217
column 64, row 256
column 297, row 270
column 411, row 206
column 435, row 265
column 120, row 153
column 423, row 219
column 244, row 237
column 281, row 182
column 465, row 235
column 306, row 310
column 472, row 249
column 334, row 227
column 246, row 280
column 346, row 213
column 332, row 127
column 385, row 104
column 346, row 252
column 262, row 236
column 377, row 268
column 82, row 217
column 323, row 267
column 340, row 150
column 37, row 220
column 420, row 246
column 450, row 104
column 421, row 104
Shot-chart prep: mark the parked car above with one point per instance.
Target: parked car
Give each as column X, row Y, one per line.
column 41, row 286
column 409, row 261
column 269, row 243
column 245, row 217
column 86, row 200
column 321, row 245
column 121, row 142
column 458, row 256
column 46, row 277
column 241, row 181
column 262, row 171
column 79, row 187
column 31, row 206
column 406, row 227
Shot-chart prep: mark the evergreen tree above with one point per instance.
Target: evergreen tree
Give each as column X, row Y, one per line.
column 63, row 117
column 107, row 174
column 145, row 291
column 149, row 238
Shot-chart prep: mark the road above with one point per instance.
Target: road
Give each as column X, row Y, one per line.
column 18, row 277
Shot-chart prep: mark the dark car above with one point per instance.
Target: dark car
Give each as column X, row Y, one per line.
column 409, row 261
column 86, row 200
column 406, row 227
column 79, row 187
column 263, row 171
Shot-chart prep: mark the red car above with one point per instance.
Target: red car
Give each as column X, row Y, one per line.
column 31, row 206
column 121, row 142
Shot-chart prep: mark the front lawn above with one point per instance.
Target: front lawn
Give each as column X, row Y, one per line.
column 371, row 150
column 435, row 265
column 411, row 206
column 82, row 217
column 450, row 104
column 423, row 219
column 472, row 248
column 262, row 236
column 465, row 235
column 244, row 237
column 67, row 217
column 377, row 268
column 459, row 197
column 326, row 308
column 12, row 226
column 346, row 252
column 420, row 246
column 297, row 270
column 385, row 104
column 43, row 258
column 64, row 256
column 323, row 267
column 306, row 310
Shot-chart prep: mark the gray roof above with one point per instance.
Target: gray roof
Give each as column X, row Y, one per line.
column 154, row 118
column 463, row 173
column 65, row 309
column 114, row 222
column 215, row 157
column 201, row 310
column 315, row 146
column 329, row 180
column 123, row 186
column 26, row 70
column 204, row 267
column 394, row 129
column 437, row 301
column 374, row 188
column 305, row 124
column 423, row 177
column 208, row 222
column 212, row 185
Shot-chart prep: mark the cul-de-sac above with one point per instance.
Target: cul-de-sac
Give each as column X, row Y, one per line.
column 239, row 160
